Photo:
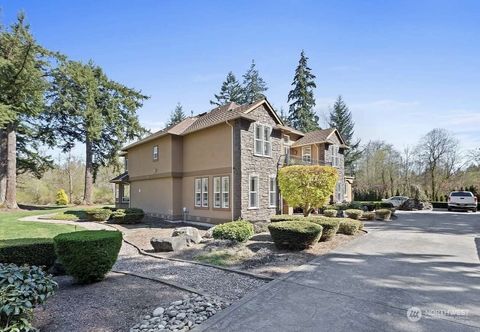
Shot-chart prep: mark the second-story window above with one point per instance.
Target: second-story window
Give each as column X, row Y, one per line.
column 307, row 154
column 335, row 158
column 155, row 152
column 126, row 164
column 263, row 141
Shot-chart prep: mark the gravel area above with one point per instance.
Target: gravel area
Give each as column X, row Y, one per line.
column 227, row 285
column 181, row 315
column 114, row 304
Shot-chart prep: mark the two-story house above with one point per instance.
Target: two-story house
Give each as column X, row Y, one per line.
column 222, row 165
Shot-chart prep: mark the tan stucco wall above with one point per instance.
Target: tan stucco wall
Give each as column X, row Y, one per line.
column 207, row 149
column 153, row 196
column 140, row 159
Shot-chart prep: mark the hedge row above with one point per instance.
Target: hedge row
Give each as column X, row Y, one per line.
column 36, row 251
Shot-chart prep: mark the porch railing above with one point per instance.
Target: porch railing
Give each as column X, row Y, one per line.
column 290, row 160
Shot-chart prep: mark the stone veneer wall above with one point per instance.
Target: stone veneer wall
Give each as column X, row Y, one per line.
column 264, row 167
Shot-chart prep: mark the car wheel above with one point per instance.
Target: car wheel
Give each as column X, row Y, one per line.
column 449, row 209
column 474, row 210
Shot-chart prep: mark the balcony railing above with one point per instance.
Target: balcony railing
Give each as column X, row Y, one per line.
column 290, row 160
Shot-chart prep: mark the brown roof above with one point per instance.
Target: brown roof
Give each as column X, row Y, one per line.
column 216, row 116
column 317, row 136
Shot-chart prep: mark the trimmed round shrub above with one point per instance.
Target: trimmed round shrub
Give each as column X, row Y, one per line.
column 88, row 255
column 295, row 235
column 368, row 215
column 330, row 213
column 238, row 231
column 354, row 213
column 35, row 251
column 383, row 214
column 349, row 226
column 133, row 216
column 329, row 226
column 117, row 216
column 98, row 214
column 285, row 217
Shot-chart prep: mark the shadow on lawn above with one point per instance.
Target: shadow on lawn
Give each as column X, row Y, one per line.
column 39, row 207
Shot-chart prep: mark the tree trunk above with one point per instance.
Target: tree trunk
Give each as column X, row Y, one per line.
column 11, row 192
column 433, row 184
column 3, row 166
column 88, row 191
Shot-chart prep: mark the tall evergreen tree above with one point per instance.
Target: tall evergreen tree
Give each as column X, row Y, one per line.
column 301, row 114
column 85, row 106
column 253, row 85
column 176, row 116
column 231, row 90
column 23, row 83
column 341, row 119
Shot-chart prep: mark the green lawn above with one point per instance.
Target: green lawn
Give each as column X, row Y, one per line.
column 12, row 228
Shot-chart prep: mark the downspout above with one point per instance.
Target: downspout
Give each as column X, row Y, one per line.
column 233, row 175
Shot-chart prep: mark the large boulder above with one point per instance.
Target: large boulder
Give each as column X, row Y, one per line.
column 191, row 233
column 413, row 204
column 164, row 244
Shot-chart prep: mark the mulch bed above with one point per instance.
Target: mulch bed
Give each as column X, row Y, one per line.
column 114, row 304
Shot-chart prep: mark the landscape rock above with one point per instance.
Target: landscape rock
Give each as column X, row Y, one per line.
column 413, row 204
column 209, row 233
column 191, row 233
column 182, row 315
column 164, row 244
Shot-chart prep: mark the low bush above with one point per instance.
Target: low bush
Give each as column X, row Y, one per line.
column 61, row 197
column 21, row 290
column 88, row 255
column 383, row 214
column 354, row 213
column 368, row 215
column 330, row 213
column 295, row 235
column 117, row 216
column 34, row 251
column 349, row 226
column 133, row 216
column 98, row 214
column 286, row 217
column 238, row 231
column 329, row 226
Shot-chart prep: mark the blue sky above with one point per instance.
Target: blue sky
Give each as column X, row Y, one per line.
column 403, row 67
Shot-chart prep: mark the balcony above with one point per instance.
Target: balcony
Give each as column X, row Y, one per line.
column 290, row 160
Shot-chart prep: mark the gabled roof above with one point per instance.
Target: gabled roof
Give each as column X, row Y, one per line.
column 319, row 136
column 221, row 114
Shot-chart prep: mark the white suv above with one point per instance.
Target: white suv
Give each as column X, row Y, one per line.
column 464, row 200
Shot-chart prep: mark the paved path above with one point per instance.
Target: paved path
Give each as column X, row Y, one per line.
column 428, row 260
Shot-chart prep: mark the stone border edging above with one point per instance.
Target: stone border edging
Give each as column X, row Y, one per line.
column 168, row 283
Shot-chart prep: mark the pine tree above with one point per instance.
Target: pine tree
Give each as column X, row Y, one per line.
column 253, row 85
column 341, row 119
column 176, row 116
column 23, row 83
column 85, row 106
column 231, row 90
column 301, row 114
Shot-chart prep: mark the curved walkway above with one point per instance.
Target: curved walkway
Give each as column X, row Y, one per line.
column 424, row 265
column 196, row 278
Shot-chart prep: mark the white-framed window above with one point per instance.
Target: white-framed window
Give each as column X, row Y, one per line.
column 221, row 192
column 225, row 192
column 307, row 154
column 126, row 164
column 272, row 191
column 198, row 192
column 253, row 192
column 204, row 192
column 126, row 193
column 217, row 192
column 155, row 152
column 335, row 155
column 262, row 139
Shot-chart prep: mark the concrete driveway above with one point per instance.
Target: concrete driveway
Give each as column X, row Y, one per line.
column 420, row 272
